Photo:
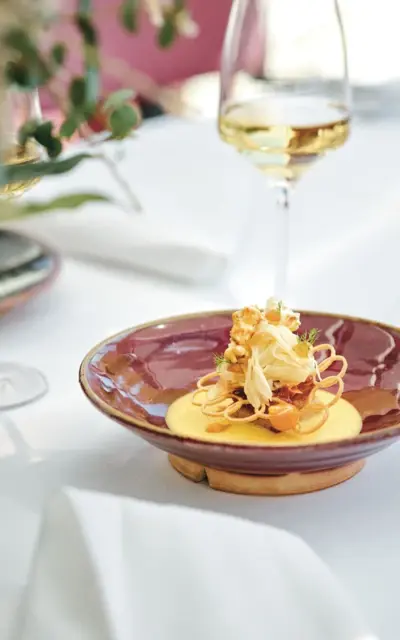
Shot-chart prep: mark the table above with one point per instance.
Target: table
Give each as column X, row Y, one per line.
column 61, row 440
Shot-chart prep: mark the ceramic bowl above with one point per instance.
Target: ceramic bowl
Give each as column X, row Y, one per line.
column 134, row 376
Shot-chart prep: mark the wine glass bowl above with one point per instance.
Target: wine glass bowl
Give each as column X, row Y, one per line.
column 25, row 266
column 283, row 152
column 19, row 107
column 284, row 94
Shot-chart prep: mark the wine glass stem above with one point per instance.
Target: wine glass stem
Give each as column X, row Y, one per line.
column 282, row 242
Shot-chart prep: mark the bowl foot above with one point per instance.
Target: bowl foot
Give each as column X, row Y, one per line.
column 288, row 484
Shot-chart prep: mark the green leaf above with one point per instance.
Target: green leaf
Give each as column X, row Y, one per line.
column 44, row 133
column 58, row 53
column 17, row 172
column 122, row 120
column 17, row 73
column 30, row 70
column 20, row 41
column 87, row 29
column 77, row 92
column 27, row 74
column 54, row 148
column 68, row 127
column 27, row 130
column 70, row 201
column 167, row 33
column 118, row 98
column 129, row 15
column 11, row 209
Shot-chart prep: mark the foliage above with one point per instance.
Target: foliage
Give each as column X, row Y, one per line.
column 28, row 67
column 219, row 360
column 10, row 210
column 309, row 336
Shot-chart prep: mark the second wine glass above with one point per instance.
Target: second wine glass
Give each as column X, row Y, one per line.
column 19, row 256
column 285, row 96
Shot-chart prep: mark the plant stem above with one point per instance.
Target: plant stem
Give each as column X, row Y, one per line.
column 84, row 132
column 282, row 242
column 124, row 185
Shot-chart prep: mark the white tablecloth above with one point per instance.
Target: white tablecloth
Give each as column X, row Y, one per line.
column 346, row 228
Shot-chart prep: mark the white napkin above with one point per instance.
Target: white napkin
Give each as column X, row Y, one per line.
column 123, row 240
column 109, row 568
column 182, row 175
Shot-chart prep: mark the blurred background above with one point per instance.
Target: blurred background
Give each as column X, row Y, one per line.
column 209, row 228
column 371, row 33
column 184, row 223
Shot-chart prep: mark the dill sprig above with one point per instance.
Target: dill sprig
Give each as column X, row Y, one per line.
column 309, row 336
column 219, row 360
column 279, row 306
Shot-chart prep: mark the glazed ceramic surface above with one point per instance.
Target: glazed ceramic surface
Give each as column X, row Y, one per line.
column 134, row 377
column 26, row 268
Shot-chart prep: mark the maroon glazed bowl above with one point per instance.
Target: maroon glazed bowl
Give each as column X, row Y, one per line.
column 134, row 376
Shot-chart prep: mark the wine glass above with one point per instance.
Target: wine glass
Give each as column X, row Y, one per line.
column 284, row 97
column 19, row 107
column 19, row 384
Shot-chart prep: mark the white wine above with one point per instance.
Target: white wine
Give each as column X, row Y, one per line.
column 284, row 136
column 17, row 154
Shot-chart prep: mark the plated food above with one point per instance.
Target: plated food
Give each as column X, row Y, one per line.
column 268, row 382
column 144, row 379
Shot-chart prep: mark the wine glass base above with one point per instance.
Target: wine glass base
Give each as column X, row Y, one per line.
column 20, row 385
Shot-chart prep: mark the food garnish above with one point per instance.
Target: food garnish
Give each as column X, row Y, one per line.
column 268, row 374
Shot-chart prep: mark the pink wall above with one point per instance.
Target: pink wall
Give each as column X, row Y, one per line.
column 184, row 59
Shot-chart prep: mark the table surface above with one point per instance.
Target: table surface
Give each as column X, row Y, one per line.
column 348, row 211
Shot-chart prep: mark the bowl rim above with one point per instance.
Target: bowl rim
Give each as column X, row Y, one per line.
column 143, row 425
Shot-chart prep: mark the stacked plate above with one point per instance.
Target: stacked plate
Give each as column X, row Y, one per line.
column 26, row 267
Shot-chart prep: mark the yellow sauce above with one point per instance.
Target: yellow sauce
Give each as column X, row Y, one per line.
column 185, row 419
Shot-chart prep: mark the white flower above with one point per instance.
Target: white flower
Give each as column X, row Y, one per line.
column 186, row 26
column 184, row 22
column 154, row 10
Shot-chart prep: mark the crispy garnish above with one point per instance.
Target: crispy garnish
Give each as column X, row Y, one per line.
column 217, row 427
column 273, row 316
column 235, row 368
column 298, row 394
column 302, row 349
column 283, row 417
column 255, row 378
